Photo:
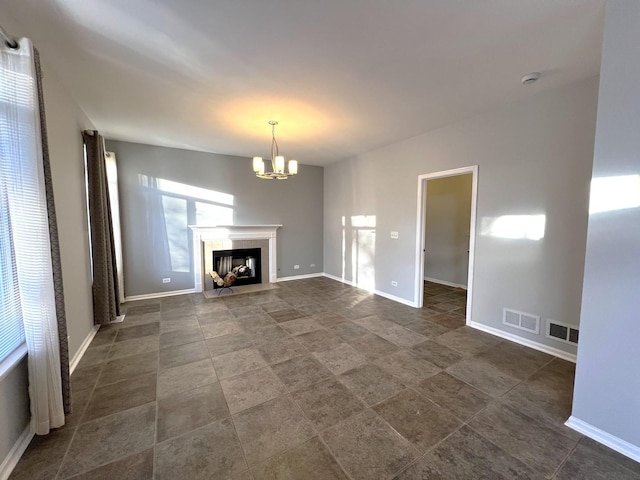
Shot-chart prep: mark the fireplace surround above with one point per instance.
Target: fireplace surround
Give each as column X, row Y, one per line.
column 224, row 235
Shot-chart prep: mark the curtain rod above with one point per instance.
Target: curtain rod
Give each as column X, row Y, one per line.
column 8, row 39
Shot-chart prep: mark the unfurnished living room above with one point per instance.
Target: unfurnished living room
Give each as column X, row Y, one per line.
column 319, row 240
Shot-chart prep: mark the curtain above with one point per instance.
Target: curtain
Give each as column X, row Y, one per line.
column 106, row 305
column 56, row 263
column 22, row 179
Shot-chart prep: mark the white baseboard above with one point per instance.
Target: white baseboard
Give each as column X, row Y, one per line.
column 148, row 296
column 299, row 277
column 444, row 282
column 373, row 290
column 83, row 348
column 621, row 446
column 395, row 299
column 13, row 457
column 338, row 279
column 571, row 357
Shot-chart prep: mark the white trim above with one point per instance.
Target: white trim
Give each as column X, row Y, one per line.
column 571, row 357
column 83, row 348
column 420, row 227
column 12, row 360
column 621, row 446
column 14, row 455
column 338, row 279
column 444, row 282
column 299, row 277
column 535, row 331
column 205, row 233
column 148, row 296
column 372, row 290
column 393, row 297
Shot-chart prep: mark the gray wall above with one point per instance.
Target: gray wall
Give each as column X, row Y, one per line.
column 65, row 120
column 14, row 407
column 607, row 386
column 156, row 239
column 448, row 214
column 534, row 158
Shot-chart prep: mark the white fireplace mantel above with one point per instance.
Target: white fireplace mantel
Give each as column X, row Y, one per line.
column 207, row 233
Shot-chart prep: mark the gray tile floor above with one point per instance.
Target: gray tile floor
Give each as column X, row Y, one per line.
column 315, row 380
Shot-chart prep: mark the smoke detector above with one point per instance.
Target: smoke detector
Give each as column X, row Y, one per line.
column 530, row 78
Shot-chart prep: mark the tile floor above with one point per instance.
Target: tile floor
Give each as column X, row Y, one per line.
column 315, row 380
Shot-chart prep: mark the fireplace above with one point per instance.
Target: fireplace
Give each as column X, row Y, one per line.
column 246, row 263
column 224, row 236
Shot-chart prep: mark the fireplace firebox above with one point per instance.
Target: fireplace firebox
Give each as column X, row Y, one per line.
column 247, row 263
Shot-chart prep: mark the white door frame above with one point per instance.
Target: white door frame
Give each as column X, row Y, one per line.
column 420, row 229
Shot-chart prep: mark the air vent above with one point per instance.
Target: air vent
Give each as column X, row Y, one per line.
column 521, row 320
column 562, row 332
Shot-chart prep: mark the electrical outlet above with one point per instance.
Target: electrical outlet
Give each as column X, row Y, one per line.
column 312, row 265
column 296, row 267
column 166, row 280
column 394, row 283
column 394, row 235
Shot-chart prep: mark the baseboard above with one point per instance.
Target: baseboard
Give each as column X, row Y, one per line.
column 299, row 277
column 395, row 299
column 83, row 348
column 338, row 279
column 373, row 290
column 14, row 455
column 148, row 296
column 524, row 341
column 621, row 446
column 444, row 282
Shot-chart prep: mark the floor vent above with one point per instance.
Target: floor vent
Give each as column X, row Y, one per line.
column 562, row 331
column 521, row 320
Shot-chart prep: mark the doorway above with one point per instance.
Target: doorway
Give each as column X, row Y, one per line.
column 449, row 272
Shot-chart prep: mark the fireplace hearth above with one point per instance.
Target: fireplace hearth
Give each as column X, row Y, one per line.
column 245, row 263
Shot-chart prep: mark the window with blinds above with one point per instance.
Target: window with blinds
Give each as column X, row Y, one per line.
column 12, row 331
column 17, row 116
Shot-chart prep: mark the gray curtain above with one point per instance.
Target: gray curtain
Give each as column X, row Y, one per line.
column 106, row 306
column 55, row 249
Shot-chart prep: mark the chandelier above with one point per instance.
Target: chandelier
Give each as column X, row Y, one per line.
column 277, row 161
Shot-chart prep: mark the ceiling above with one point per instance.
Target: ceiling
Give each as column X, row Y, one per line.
column 342, row 77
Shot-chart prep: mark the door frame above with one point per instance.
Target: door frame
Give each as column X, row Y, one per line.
column 421, row 224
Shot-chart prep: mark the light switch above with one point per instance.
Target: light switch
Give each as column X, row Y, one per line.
column 394, row 235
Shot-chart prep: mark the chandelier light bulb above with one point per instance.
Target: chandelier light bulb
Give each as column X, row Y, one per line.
column 258, row 164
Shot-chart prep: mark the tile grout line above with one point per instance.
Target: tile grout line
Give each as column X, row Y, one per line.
column 77, row 426
column 351, row 305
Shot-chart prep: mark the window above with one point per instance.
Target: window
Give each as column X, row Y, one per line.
column 12, row 328
column 20, row 201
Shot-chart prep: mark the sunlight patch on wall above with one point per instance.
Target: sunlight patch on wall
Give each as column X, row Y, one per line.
column 529, row 227
column 207, row 214
column 175, row 220
column 169, row 186
column 614, row 193
column 358, row 249
column 180, row 205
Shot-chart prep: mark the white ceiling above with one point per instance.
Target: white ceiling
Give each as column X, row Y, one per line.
column 341, row 76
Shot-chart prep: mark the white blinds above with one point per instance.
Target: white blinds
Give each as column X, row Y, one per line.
column 24, row 214
column 12, row 330
column 11, row 99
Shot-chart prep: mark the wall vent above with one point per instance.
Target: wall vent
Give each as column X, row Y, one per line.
column 521, row 320
column 562, row 332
